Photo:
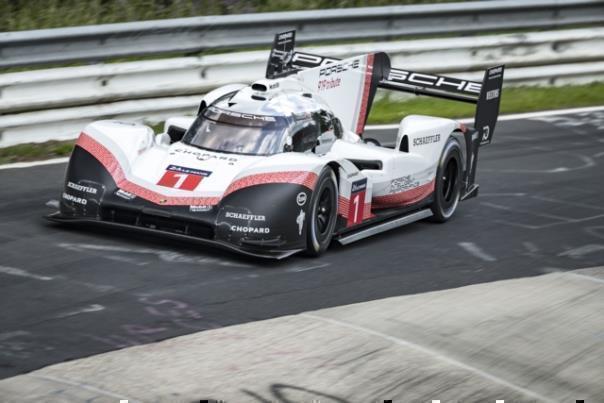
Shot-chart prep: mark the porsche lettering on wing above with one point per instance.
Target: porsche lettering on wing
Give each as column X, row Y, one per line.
column 307, row 60
column 340, row 67
column 430, row 80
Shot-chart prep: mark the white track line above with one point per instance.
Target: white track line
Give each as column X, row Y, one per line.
column 88, row 309
column 434, row 354
column 475, row 250
column 515, row 116
column 582, row 251
column 13, row 271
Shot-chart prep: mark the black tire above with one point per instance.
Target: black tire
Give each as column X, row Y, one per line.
column 321, row 220
column 447, row 190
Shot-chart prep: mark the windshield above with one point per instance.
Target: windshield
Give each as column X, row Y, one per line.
column 240, row 133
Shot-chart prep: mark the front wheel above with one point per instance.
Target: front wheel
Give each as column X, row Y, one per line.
column 447, row 190
column 323, row 209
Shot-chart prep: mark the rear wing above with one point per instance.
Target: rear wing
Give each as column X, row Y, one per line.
column 284, row 60
column 485, row 95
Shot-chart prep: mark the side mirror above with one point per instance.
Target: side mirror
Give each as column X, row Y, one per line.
column 176, row 133
column 162, row 139
column 177, row 126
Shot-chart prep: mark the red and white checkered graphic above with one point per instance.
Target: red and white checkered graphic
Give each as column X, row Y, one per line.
column 111, row 164
column 304, row 178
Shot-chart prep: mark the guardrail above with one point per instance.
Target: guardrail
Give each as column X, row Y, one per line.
column 57, row 103
column 191, row 35
column 71, row 86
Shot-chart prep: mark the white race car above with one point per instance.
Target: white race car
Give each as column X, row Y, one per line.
column 280, row 166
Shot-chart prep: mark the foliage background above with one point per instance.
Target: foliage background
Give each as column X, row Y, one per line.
column 18, row 15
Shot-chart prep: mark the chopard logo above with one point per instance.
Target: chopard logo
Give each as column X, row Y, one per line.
column 205, row 156
column 242, row 216
column 75, row 199
column 250, row 230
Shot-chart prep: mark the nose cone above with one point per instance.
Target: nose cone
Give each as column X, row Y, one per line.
column 186, row 171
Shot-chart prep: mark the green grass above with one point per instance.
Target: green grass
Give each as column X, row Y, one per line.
column 35, row 151
column 514, row 100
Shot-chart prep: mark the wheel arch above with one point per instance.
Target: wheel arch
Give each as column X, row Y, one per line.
column 335, row 166
column 458, row 135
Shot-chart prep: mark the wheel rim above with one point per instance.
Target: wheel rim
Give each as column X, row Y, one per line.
column 323, row 212
column 449, row 180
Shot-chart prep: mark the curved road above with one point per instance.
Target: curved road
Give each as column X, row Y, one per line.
column 66, row 294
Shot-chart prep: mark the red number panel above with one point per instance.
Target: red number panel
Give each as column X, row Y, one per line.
column 356, row 206
column 182, row 178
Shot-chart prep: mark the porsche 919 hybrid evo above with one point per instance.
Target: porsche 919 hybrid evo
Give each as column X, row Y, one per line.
column 281, row 166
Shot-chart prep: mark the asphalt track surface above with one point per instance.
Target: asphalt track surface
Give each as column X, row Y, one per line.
column 68, row 293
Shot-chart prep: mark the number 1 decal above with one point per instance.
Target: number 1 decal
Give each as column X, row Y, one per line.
column 182, row 178
column 357, row 202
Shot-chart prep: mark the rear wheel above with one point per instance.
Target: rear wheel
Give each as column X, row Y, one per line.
column 447, row 190
column 323, row 208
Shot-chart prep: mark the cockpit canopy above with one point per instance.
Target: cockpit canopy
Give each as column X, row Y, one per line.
column 239, row 133
column 224, row 128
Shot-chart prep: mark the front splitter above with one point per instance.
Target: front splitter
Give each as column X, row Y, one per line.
column 57, row 217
